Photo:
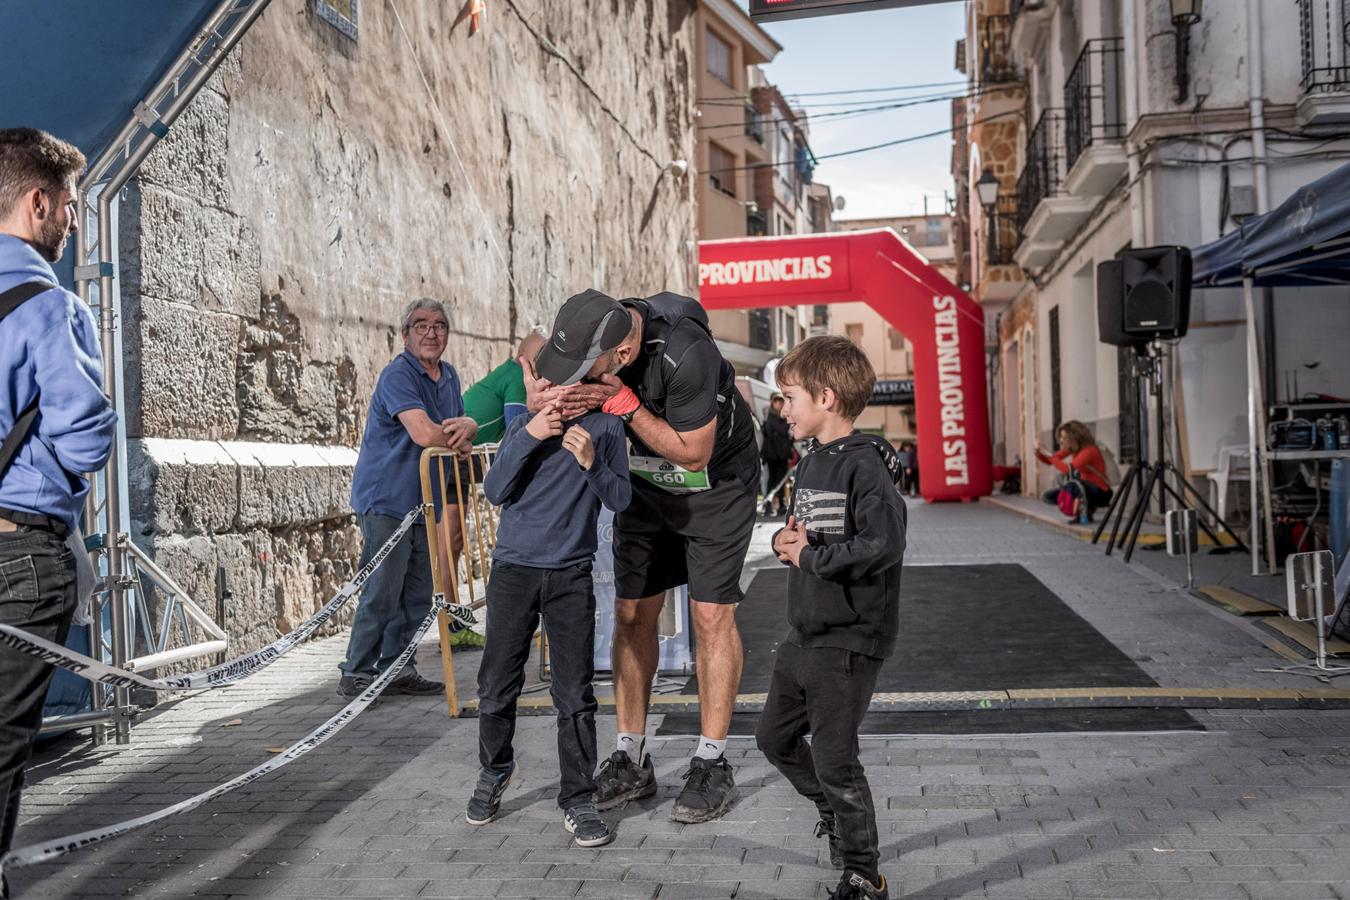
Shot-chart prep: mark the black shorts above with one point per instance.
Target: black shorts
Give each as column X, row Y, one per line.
column 663, row 540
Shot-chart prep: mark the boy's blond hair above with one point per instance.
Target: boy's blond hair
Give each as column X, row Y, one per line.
column 833, row 362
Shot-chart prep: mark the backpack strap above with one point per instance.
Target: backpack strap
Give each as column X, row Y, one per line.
column 11, row 300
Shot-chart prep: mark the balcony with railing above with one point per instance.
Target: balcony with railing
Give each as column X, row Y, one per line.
column 996, row 57
column 754, row 124
column 1094, row 124
column 1000, row 277
column 1324, row 47
column 1003, row 243
column 1046, row 213
column 756, row 223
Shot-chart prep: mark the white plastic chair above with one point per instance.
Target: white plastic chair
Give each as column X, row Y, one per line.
column 1235, row 465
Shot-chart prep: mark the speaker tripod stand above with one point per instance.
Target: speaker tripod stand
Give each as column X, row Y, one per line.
column 1143, row 476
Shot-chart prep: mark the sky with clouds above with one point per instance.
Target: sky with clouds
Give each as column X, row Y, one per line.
column 876, row 49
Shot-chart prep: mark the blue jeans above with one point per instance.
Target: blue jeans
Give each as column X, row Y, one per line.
column 517, row 596
column 395, row 599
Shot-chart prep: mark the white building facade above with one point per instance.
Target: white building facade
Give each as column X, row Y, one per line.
column 1138, row 130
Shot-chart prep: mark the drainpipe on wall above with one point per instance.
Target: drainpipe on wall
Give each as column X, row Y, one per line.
column 1261, row 176
column 1261, row 181
column 1129, row 26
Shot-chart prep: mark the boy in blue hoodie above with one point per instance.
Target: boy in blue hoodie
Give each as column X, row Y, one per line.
column 550, row 478
column 844, row 541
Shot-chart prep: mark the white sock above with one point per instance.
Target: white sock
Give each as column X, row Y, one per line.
column 708, row 748
column 632, row 743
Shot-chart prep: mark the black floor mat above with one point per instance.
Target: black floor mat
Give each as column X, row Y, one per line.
column 964, row 628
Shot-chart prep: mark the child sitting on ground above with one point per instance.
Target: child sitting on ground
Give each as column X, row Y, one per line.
column 845, row 541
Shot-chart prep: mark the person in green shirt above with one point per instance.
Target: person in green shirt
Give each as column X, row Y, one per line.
column 499, row 396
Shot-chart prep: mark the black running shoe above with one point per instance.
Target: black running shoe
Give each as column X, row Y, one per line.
column 826, row 828
column 709, row 789
column 487, row 796
column 855, row 887
column 351, row 686
column 411, row 682
column 586, row 826
column 620, row 780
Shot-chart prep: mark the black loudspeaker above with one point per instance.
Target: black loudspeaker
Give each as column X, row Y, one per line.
column 1156, row 292
column 1110, row 305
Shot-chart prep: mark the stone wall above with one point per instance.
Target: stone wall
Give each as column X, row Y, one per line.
column 315, row 187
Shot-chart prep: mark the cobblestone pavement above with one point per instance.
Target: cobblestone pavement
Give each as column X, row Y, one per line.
column 1256, row 806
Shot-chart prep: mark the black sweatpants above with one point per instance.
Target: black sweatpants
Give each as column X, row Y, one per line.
column 37, row 594
column 516, row 598
column 825, row 691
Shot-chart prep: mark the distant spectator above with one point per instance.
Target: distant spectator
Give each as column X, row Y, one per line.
column 909, row 474
column 1078, row 457
column 776, row 453
column 417, row 404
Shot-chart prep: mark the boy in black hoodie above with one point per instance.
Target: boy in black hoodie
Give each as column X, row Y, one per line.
column 845, row 540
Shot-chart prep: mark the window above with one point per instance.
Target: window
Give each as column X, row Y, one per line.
column 719, row 59
column 820, row 315
column 784, row 164
column 341, row 14
column 1055, row 395
column 854, row 332
column 935, row 237
column 896, row 338
column 722, row 169
column 761, row 329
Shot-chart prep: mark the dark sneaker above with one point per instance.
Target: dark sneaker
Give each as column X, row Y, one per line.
column 708, row 791
column 351, row 686
column 620, row 780
column 487, row 796
column 826, row 828
column 855, row 887
column 586, row 826
column 414, row 684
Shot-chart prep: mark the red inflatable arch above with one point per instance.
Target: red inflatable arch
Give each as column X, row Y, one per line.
column 878, row 268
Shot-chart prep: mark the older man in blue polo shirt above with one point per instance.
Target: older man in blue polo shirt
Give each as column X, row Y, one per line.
column 417, row 404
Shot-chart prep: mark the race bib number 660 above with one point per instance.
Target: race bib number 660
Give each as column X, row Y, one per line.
column 667, row 476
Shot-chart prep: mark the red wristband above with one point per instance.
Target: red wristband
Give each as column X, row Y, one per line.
column 622, row 403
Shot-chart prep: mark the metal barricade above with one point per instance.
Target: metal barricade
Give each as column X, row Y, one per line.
column 453, row 483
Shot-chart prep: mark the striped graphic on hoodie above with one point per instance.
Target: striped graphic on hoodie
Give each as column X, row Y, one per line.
column 821, row 511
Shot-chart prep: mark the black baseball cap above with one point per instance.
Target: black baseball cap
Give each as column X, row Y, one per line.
column 589, row 325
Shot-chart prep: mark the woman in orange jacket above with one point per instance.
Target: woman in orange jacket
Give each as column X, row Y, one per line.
column 1080, row 457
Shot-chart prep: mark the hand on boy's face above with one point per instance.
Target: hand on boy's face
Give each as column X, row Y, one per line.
column 539, row 392
column 546, row 423
column 578, row 441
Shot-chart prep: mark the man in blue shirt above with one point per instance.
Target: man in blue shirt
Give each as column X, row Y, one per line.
column 57, row 424
column 417, row 404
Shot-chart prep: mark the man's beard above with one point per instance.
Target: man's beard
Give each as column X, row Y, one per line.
column 51, row 240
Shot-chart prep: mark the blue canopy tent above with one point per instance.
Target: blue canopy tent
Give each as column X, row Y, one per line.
column 1303, row 242
column 110, row 78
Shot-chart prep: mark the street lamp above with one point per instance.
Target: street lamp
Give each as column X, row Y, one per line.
column 987, row 190
column 1185, row 13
